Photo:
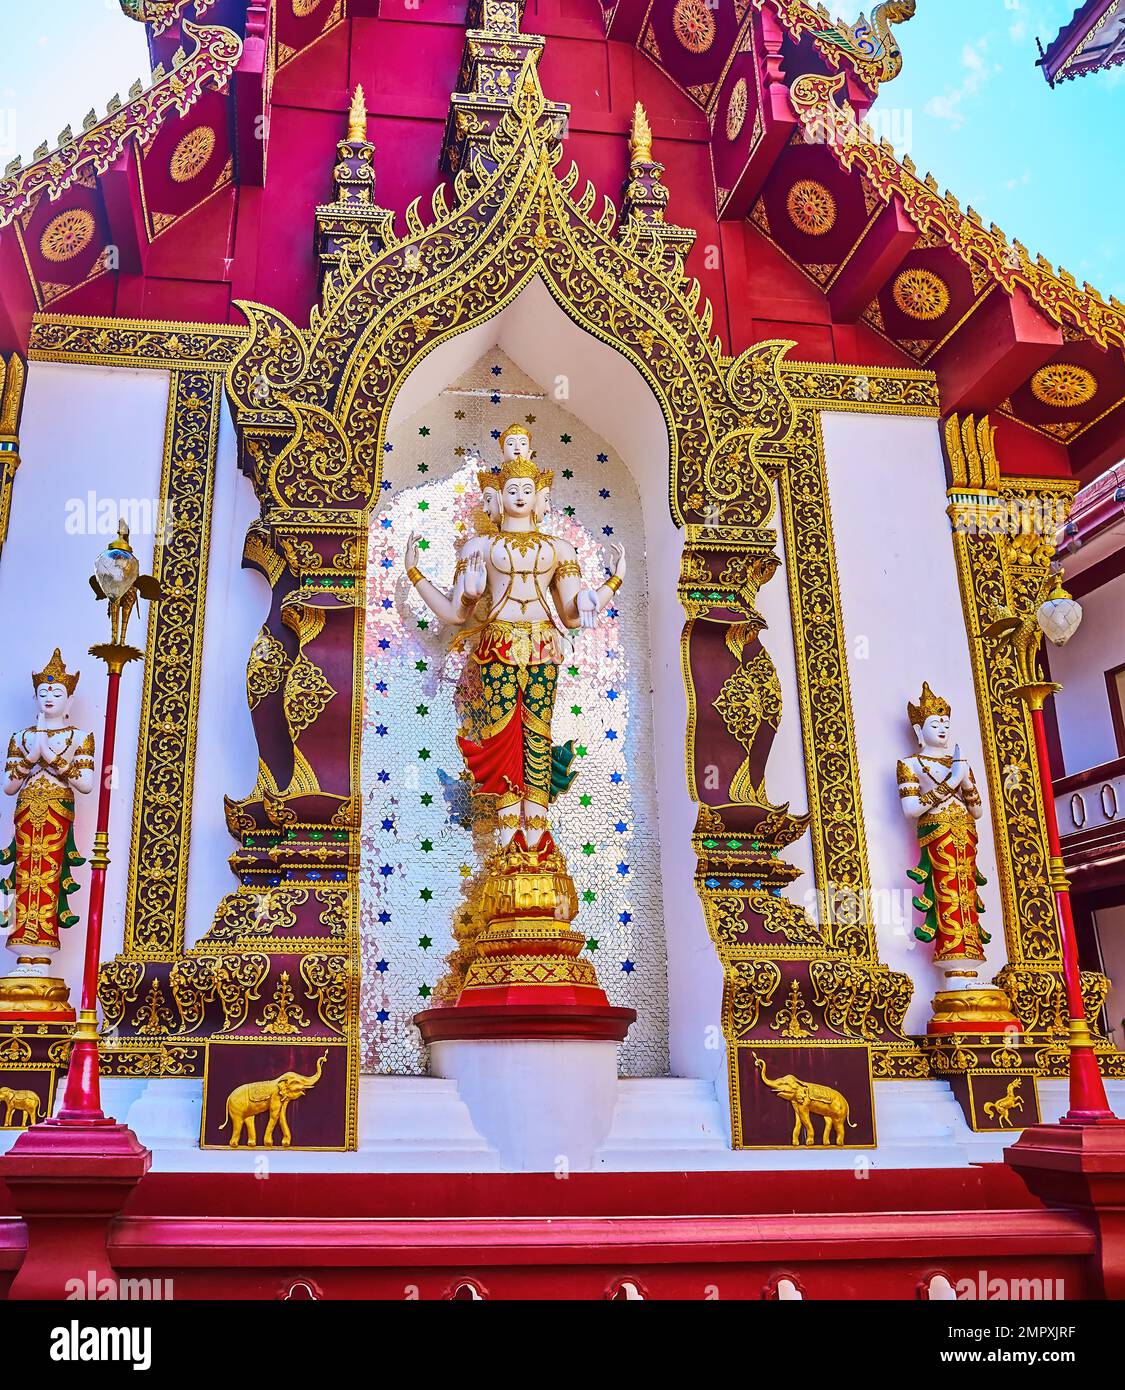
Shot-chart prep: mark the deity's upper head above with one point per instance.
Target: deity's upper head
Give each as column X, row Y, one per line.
column 929, row 718
column 518, row 464
column 515, row 443
column 54, row 685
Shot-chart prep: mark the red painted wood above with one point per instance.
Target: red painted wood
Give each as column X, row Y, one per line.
column 570, row 1019
column 994, row 352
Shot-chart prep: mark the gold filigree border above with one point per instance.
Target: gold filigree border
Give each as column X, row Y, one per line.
column 156, row 897
column 152, row 343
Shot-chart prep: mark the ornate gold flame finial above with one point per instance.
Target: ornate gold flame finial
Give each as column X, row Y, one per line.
column 55, row 673
column 357, row 115
column 928, row 705
column 640, row 138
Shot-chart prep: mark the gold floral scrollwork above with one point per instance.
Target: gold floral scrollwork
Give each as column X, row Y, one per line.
column 1004, row 532
column 307, row 692
column 1037, row 998
column 154, row 1015
column 283, row 1014
column 749, row 698
column 328, row 981
column 232, row 979
column 119, row 981
column 336, row 909
column 156, row 900
column 861, row 1000
column 265, row 669
column 752, row 985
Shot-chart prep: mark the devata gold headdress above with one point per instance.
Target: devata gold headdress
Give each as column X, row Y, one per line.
column 55, row 673
column 516, row 468
column 928, row 705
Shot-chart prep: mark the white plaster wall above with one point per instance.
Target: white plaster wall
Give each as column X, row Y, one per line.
column 904, row 624
column 1082, row 706
column 226, row 762
column 84, row 430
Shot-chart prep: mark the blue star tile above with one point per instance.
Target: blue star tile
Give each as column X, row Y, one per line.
column 620, row 827
column 381, row 966
column 386, row 870
column 628, row 967
column 625, row 918
column 622, row 869
column 384, row 917
column 388, row 823
column 382, row 1016
column 611, row 694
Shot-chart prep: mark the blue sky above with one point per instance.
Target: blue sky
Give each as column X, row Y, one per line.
column 970, row 105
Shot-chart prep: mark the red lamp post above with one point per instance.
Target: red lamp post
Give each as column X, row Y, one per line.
column 70, row 1175
column 116, row 578
column 1057, row 617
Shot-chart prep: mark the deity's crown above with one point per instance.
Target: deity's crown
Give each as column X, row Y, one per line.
column 55, row 673
column 517, row 468
column 928, row 705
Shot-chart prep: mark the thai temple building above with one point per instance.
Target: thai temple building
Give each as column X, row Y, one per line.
column 565, row 686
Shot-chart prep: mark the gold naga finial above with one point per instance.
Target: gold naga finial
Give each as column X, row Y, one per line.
column 640, row 137
column 357, row 115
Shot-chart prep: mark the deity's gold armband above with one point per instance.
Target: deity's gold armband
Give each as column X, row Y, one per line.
column 415, row 575
column 613, row 583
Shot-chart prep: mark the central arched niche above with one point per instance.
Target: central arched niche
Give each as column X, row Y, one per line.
column 575, row 386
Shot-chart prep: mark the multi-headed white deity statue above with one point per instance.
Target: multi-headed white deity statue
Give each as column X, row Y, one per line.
column 522, row 589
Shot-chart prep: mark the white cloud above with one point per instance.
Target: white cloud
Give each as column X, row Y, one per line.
column 976, row 71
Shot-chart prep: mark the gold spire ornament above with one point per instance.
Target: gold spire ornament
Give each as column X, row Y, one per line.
column 357, row 115
column 640, row 139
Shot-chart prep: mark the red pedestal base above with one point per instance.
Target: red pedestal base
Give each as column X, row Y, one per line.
column 598, row 1022
column 68, row 1182
column 1081, row 1166
column 936, row 1028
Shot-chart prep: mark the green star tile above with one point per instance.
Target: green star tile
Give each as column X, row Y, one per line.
column 572, row 670
column 585, row 799
column 580, row 751
column 423, row 468
column 423, row 545
column 423, row 623
column 589, row 896
column 564, row 438
column 568, row 473
column 426, row 894
column 425, row 991
column 592, row 944
column 587, row 849
column 421, row 666
column 576, row 709
column 424, row 754
column 426, row 799
column 427, row 846
column 425, row 942
column 423, row 430
column 568, row 511
column 423, row 506
column 422, row 709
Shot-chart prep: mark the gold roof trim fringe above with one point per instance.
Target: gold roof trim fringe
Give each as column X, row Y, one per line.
column 1055, row 292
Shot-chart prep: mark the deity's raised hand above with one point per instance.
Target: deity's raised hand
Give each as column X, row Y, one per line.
column 617, row 563
column 410, row 559
column 475, row 578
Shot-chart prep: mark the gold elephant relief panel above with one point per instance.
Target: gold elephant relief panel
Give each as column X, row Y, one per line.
column 802, row 1097
column 275, row 1095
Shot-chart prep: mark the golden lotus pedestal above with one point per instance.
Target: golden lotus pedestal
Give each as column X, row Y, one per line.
column 527, row 977
column 970, row 1011
column 24, row 997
